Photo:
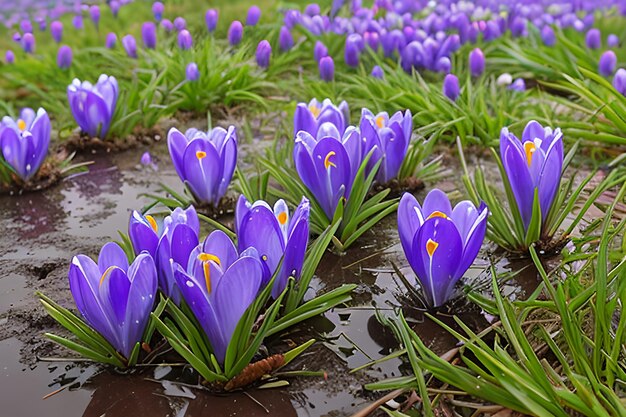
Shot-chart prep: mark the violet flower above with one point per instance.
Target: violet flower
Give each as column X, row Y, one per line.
column 477, row 62
column 25, row 141
column 327, row 69
column 28, row 43
column 451, row 87
column 93, row 106
column 547, row 36
column 56, row 30
column 518, row 85
column 157, row 10
column 353, row 50
column 77, row 22
column 167, row 25
column 149, row 35
column 534, row 162
column 309, row 117
column 285, row 40
column 180, row 23
column 191, row 72
column 593, row 39
column 254, row 15
column 205, row 162
column 263, row 54
column 612, row 41
column 130, row 46
column 210, row 19
column 377, row 72
column 115, row 7
column 114, row 298
column 607, row 63
column 276, row 236
column 235, row 33
column 319, row 51
column 9, row 57
column 185, row 41
column 111, row 40
column 619, row 81
column 64, row 57
column 439, row 242
column 94, row 13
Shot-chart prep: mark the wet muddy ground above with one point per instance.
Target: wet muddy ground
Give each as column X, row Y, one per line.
column 42, row 231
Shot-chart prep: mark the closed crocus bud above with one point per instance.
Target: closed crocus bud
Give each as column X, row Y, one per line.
column 518, row 85
column 191, row 72
column 9, row 57
column 612, row 41
column 352, row 51
column 619, row 81
column 115, row 7
column 372, row 39
column 477, row 62
column 443, row 65
column 593, row 39
column 184, row 40
column 312, row 9
column 377, row 72
column 157, row 10
column 235, row 33
column 94, row 13
column 319, row 51
column 77, row 22
column 64, row 57
column 180, row 23
column 263, row 54
column 518, row 27
column 28, row 43
column 26, row 26
column 254, row 14
column 211, row 18
column 327, row 68
column 111, row 40
column 56, row 30
column 547, row 36
column 451, row 87
column 167, row 25
column 285, row 40
column 607, row 63
column 43, row 24
column 504, row 79
column 149, row 35
column 130, row 45
column 17, row 37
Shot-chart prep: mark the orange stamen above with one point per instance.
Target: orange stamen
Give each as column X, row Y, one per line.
column 529, row 148
column 206, row 267
column 282, row 217
column 152, row 222
column 380, row 122
column 327, row 162
column 315, row 111
column 437, row 214
column 431, row 247
column 106, row 273
column 200, row 155
column 21, row 125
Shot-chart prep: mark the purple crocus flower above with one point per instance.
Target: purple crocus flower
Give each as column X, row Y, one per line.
column 94, row 13
column 235, row 33
column 111, row 40
column 451, row 87
column 185, row 41
column 64, row 57
column 275, row 236
column 17, row 37
column 518, row 27
column 285, row 40
column 26, row 26
column 28, row 43
column 56, row 30
column 254, row 15
column 146, row 159
column 612, row 41
column 25, row 141
column 607, row 63
column 263, row 54
column 535, row 162
column 327, row 69
column 180, row 23
column 115, row 7
column 388, row 138
column 477, row 62
column 93, row 106
column 157, row 10
column 9, row 57
column 593, row 39
column 130, row 46
column 309, row 117
column 205, row 162
column 547, row 36
column 518, row 85
column 211, row 18
column 219, row 286
column 619, row 81
column 191, row 72
column 312, row 9
column 377, row 72
column 42, row 23
column 167, row 25
column 440, row 242
column 114, row 298
column 319, row 51
column 149, row 35
column 353, row 50
column 77, row 22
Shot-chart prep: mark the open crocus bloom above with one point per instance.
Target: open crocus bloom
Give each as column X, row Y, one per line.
column 204, row 161
column 309, row 117
column 219, row 285
column 535, row 162
column 439, row 242
column 93, row 106
column 275, row 236
column 114, row 298
column 391, row 137
column 328, row 164
column 24, row 142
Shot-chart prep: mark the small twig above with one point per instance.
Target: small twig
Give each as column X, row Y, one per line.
column 257, row 402
column 376, row 404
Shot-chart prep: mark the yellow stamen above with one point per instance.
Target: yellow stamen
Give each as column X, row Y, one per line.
column 206, row 257
column 200, row 155
column 431, row 247
column 282, row 217
column 206, row 267
column 327, row 162
column 315, row 111
column 106, row 273
column 437, row 214
column 21, row 125
column 152, row 222
column 264, row 257
column 380, row 122
column 529, row 148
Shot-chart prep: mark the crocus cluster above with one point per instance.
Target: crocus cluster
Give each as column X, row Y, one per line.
column 93, row 105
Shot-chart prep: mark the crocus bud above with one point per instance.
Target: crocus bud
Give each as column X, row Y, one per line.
column 254, row 14
column 26, row 26
column 607, row 63
column 312, row 9
column 157, row 10
column 17, row 37
column 518, row 27
column 518, row 85
column 504, row 79
column 327, row 68
column 146, row 159
column 115, row 7
column 235, row 33
column 210, row 18
column 619, row 81
column 191, row 72
column 451, row 87
column 56, row 30
column 547, row 36
column 9, row 57
column 180, row 23
column 319, row 51
column 352, row 51
column 443, row 65
column 612, row 41
column 167, row 25
column 285, row 40
column 377, row 72
column 111, row 40
column 184, row 40
column 593, row 39
column 372, row 39
column 477, row 62
column 64, row 57
column 94, row 13
column 130, row 45
column 77, row 22
column 263, row 54
column 149, row 35
column 28, row 43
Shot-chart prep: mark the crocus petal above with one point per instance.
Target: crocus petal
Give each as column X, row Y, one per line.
column 304, row 120
column 410, row 219
column 143, row 285
column 293, row 257
column 176, row 143
column 473, row 240
column 202, row 169
column 113, row 291
column 228, row 156
column 142, row 235
column 516, row 168
column 112, row 254
column 14, row 151
column 220, row 245
column 436, row 200
column 550, row 177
